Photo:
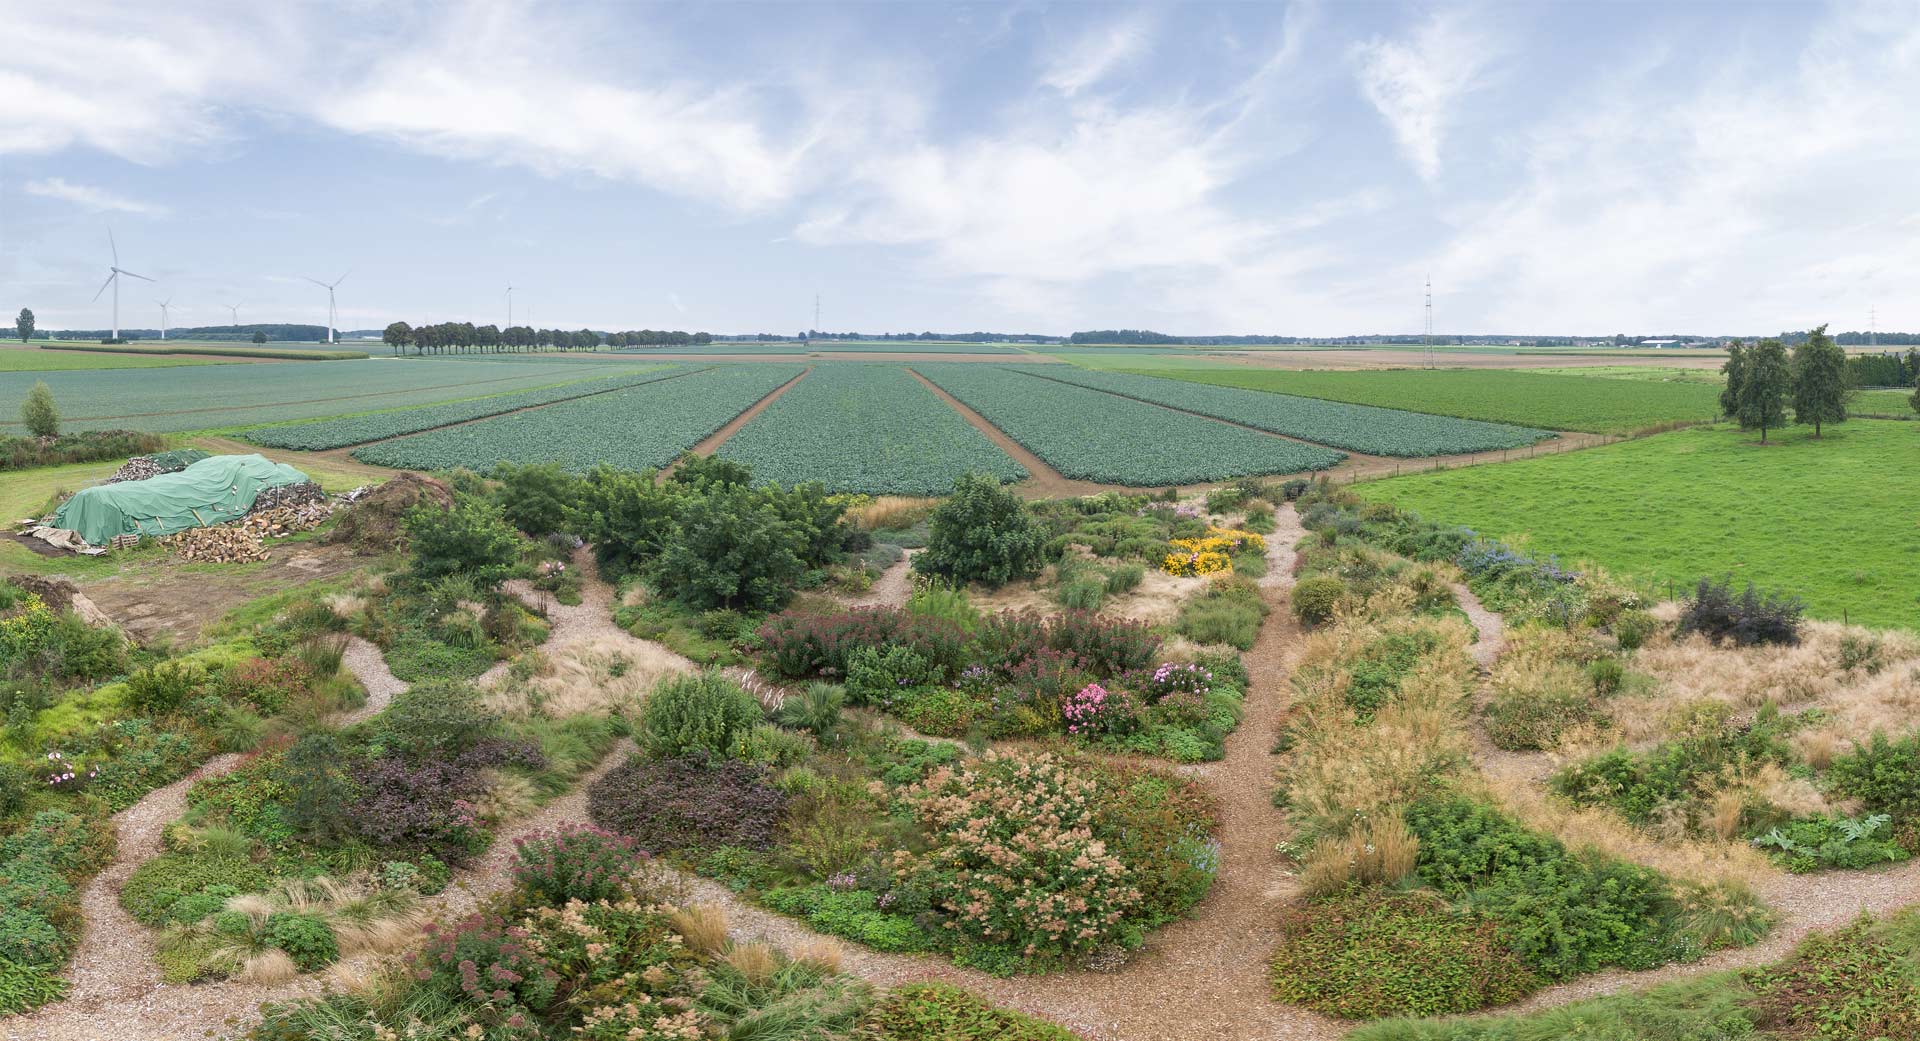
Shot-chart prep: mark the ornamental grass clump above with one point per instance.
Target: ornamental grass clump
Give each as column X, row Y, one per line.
column 1013, row 860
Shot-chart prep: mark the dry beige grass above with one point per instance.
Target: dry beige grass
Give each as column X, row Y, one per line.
column 823, row 956
column 1380, row 851
column 756, row 961
column 1700, row 860
column 593, row 675
column 892, row 512
column 269, row 967
column 703, row 926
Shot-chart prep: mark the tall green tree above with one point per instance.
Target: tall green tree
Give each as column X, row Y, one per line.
column 37, row 412
column 1915, row 400
column 24, row 324
column 1735, row 370
column 1821, row 385
column 1765, row 379
column 398, row 335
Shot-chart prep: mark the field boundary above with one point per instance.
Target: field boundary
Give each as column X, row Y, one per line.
column 712, row 442
column 1043, row 481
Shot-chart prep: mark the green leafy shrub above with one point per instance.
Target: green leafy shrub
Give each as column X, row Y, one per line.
column 982, row 533
column 1860, row 982
column 939, row 1012
column 1314, row 598
column 701, row 713
column 1229, row 612
column 304, row 937
column 876, row 674
column 730, row 548
column 1829, row 841
column 1368, row 952
column 164, row 688
column 854, row 914
column 471, row 539
column 537, row 498
column 157, row 886
column 1884, row 774
column 1561, row 913
column 24, row 987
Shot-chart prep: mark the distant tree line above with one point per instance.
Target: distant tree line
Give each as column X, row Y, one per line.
column 468, row 338
column 1888, row 369
column 234, row 333
column 973, row 337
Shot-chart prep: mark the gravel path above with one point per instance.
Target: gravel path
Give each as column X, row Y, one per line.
column 369, row 666
column 1492, row 641
column 892, row 588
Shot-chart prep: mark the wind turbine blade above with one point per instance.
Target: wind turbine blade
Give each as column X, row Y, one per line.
column 142, row 278
column 103, row 287
column 319, row 283
column 342, row 278
column 113, row 246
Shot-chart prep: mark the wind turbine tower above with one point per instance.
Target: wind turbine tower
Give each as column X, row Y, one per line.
column 163, row 315
column 113, row 279
column 509, row 307
column 332, row 314
column 1873, row 326
column 1426, row 337
column 816, row 312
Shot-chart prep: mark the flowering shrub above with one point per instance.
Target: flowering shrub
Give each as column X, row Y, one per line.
column 1177, row 678
column 1013, row 858
column 25, row 630
column 1009, row 637
column 800, row 645
column 576, row 862
column 1095, row 710
column 1106, row 647
column 268, row 684
column 1210, row 553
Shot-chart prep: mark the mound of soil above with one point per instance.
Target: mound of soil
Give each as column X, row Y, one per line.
column 373, row 523
column 61, row 595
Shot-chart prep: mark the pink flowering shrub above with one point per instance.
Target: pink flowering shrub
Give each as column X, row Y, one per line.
column 1177, row 678
column 1095, row 710
column 1013, row 859
column 574, row 862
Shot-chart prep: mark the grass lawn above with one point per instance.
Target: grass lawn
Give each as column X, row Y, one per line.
column 1552, row 402
column 33, row 359
column 1834, row 521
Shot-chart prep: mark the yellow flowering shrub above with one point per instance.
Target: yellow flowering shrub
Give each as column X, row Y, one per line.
column 1210, row 554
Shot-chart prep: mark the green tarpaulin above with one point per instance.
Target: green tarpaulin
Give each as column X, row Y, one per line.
column 220, row 488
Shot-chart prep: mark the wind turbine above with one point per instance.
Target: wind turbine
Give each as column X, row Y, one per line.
column 113, row 279
column 509, row 307
column 328, row 286
column 164, row 304
column 235, row 308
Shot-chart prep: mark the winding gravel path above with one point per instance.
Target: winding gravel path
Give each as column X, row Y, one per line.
column 892, row 588
column 1491, row 642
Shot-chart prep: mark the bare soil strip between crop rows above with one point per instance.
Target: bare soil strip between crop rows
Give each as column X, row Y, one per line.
column 1043, row 481
column 719, row 437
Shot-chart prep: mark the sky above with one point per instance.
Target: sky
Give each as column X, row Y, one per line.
column 1276, row 168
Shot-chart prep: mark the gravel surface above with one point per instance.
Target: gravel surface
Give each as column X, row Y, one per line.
column 892, row 588
column 1492, row 641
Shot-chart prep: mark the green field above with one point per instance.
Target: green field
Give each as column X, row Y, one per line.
column 1552, row 402
column 207, row 397
column 1834, row 521
column 1356, row 428
column 1089, row 435
column 859, row 427
column 34, row 359
column 635, row 428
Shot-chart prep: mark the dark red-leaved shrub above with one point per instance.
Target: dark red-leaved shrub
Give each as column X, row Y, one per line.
column 428, row 805
column 1108, row 647
column 800, row 645
column 692, row 803
column 1006, row 639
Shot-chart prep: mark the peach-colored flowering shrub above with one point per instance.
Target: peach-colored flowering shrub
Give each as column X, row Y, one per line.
column 1014, row 861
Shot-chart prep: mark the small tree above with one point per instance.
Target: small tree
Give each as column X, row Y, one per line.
column 1915, row 400
column 731, row 549
column 259, row 337
column 24, row 324
column 1735, row 370
column 1765, row 379
column 470, row 539
column 42, row 419
column 982, row 533
column 1821, row 385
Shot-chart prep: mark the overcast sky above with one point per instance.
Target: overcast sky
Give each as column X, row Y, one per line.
column 1249, row 168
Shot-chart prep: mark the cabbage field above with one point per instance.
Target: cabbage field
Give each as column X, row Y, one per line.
column 376, row 426
column 1356, row 428
column 640, row 427
column 1094, row 436
column 860, row 427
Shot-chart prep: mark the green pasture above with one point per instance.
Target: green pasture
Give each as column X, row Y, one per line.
column 34, row 359
column 1835, row 521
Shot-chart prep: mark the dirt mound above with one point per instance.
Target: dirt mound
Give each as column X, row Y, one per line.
column 61, row 595
column 372, row 523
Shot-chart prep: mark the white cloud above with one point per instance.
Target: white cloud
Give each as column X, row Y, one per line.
column 1761, row 193
column 98, row 199
column 1415, row 83
column 1095, row 56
